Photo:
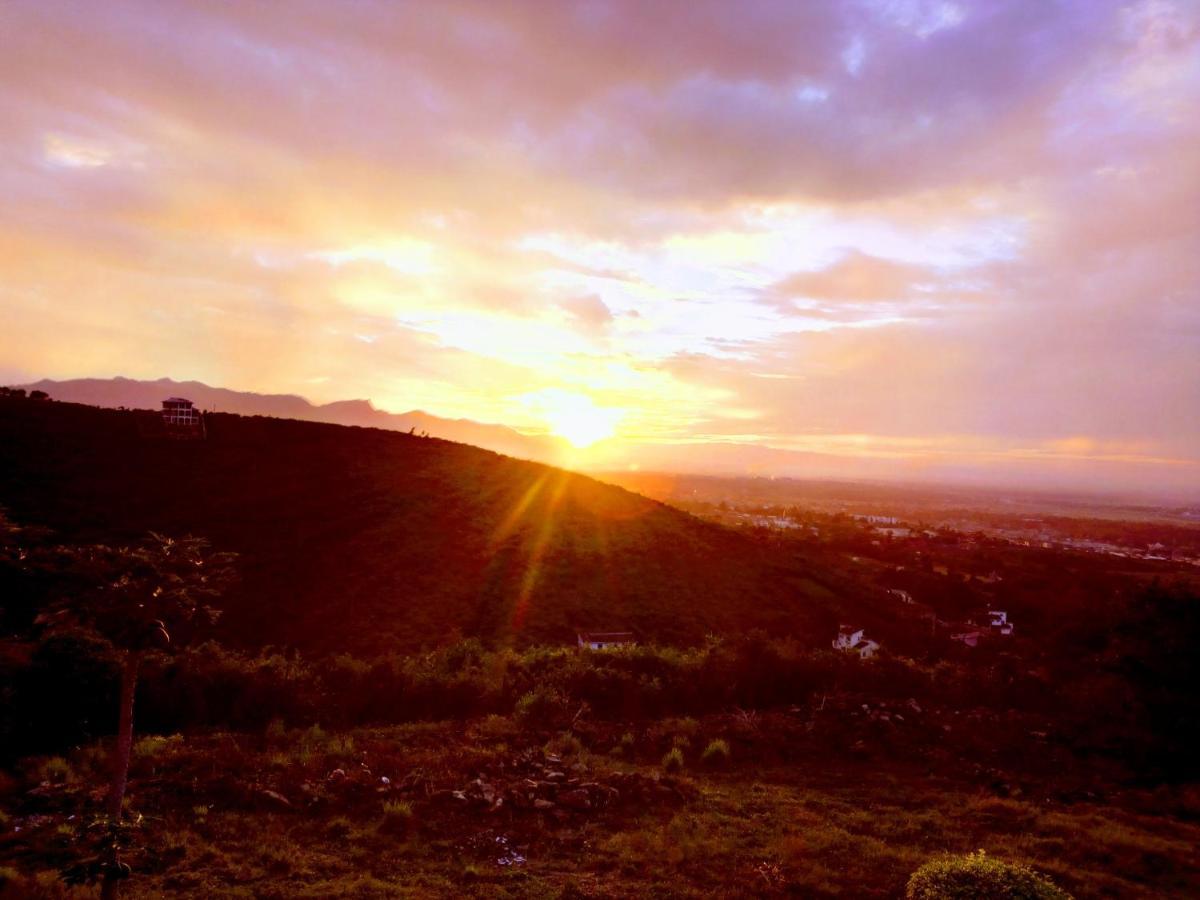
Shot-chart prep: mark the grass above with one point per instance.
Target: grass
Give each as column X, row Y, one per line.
column 820, row 826
column 672, row 760
column 716, row 754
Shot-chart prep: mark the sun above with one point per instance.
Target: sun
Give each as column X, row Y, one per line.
column 576, row 417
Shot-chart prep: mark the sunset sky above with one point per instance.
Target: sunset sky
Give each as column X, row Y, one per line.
column 917, row 237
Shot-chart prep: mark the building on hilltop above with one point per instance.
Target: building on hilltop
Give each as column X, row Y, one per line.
column 181, row 418
column 605, row 640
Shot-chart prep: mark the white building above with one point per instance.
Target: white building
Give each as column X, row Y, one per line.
column 605, row 640
column 855, row 641
column 998, row 621
column 181, row 418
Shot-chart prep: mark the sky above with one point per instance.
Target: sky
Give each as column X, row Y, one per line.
column 909, row 238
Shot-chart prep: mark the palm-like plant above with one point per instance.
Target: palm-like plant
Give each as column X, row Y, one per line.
column 132, row 596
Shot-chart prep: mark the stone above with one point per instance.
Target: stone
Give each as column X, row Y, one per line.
column 276, row 799
column 576, row 799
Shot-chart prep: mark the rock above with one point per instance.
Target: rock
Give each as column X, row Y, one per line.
column 539, row 803
column 275, row 799
column 576, row 799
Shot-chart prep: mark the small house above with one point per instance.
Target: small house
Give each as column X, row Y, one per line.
column 181, row 418
column 998, row 622
column 855, row 640
column 605, row 640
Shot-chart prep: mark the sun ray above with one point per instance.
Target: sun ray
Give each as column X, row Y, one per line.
column 536, row 553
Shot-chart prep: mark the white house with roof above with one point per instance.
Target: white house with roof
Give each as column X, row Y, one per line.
column 854, row 640
column 605, row 640
column 998, row 622
column 181, row 418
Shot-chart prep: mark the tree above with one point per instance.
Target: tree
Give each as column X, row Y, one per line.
column 134, row 595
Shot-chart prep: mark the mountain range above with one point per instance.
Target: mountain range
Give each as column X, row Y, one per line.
column 129, row 393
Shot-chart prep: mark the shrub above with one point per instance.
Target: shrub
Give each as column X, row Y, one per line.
column 979, row 877
column 716, row 754
column 672, row 761
column 341, row 745
column 397, row 817
column 56, row 770
column 564, row 744
column 625, row 746
column 152, row 745
column 543, row 707
column 338, row 828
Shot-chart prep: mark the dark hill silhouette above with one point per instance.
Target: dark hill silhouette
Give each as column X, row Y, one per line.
column 135, row 394
column 364, row 540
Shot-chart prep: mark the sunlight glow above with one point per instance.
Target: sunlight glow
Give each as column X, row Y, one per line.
column 575, row 416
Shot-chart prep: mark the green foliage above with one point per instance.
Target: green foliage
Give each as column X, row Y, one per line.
column 398, row 817
column 542, row 707
column 132, row 594
column 564, row 744
column 672, row 760
column 55, row 770
column 716, row 754
column 339, row 828
column 978, row 876
column 446, row 532
column 152, row 745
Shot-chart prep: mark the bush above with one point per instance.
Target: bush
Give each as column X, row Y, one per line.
column 564, row 745
column 397, row 817
column 542, row 708
column 979, row 877
column 672, row 761
column 716, row 754
column 55, row 770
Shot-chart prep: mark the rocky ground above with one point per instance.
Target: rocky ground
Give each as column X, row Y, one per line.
column 845, row 798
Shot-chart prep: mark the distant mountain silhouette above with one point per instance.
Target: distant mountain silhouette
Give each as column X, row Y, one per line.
column 365, row 541
column 129, row 393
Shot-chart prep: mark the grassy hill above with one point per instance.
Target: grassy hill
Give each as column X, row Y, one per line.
column 363, row 540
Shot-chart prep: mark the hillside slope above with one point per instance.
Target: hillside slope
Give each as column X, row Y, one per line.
column 364, row 540
column 133, row 394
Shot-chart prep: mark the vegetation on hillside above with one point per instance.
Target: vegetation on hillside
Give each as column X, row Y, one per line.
column 360, row 726
column 366, row 541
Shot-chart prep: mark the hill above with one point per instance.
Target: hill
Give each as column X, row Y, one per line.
column 363, row 540
column 134, row 394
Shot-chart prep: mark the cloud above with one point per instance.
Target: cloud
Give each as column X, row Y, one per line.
column 968, row 227
column 857, row 276
column 588, row 312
